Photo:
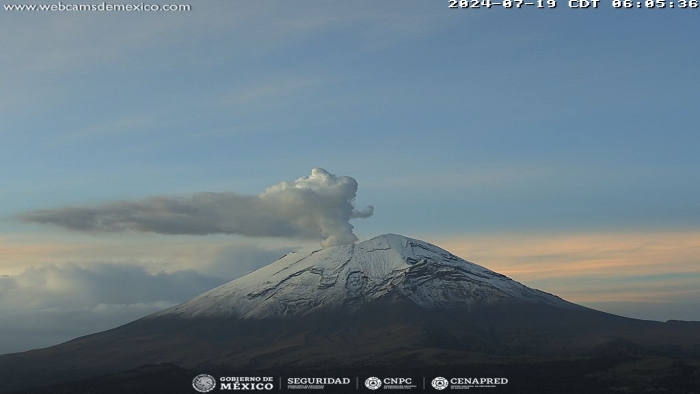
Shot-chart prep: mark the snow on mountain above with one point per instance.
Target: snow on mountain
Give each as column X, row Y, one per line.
column 388, row 267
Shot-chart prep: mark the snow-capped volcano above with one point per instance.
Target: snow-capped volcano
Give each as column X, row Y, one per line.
column 390, row 301
column 387, row 267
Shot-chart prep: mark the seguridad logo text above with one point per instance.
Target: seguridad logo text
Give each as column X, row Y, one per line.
column 314, row 383
column 318, row 381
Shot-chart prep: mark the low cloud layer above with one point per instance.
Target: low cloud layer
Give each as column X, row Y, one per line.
column 318, row 206
column 47, row 305
column 74, row 287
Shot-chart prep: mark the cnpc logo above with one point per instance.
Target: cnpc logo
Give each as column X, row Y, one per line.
column 374, row 382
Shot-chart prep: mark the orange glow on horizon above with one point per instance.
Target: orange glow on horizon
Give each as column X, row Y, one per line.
column 623, row 266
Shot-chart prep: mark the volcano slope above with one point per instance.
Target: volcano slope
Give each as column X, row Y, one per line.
column 389, row 302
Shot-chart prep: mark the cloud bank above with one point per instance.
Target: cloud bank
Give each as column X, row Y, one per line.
column 98, row 286
column 55, row 302
column 317, row 206
column 47, row 305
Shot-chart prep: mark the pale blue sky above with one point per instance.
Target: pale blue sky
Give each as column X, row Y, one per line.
column 453, row 122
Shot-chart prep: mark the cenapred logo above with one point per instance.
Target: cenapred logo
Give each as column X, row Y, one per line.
column 204, row 383
column 373, row 383
column 440, row 383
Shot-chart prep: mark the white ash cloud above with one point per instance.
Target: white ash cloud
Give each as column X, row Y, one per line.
column 317, row 206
